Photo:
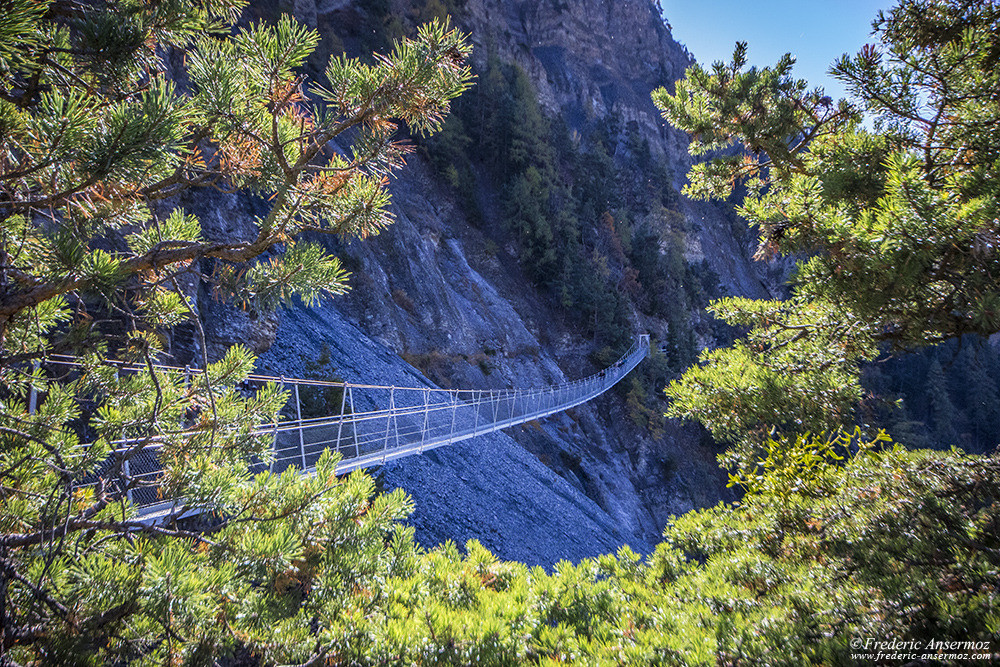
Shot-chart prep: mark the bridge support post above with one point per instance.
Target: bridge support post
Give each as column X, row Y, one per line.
column 274, row 446
column 423, row 431
column 475, row 418
column 454, row 413
column 389, row 417
column 33, row 394
column 126, row 479
column 340, row 424
column 298, row 414
column 350, row 395
column 126, row 472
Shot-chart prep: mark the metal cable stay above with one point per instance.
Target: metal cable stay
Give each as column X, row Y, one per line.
column 375, row 423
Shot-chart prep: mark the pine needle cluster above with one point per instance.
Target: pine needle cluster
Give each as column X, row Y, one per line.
column 109, row 112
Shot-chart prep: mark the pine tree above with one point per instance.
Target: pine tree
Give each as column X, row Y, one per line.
column 527, row 127
column 943, row 413
column 525, row 210
column 897, row 225
column 108, row 112
column 982, row 400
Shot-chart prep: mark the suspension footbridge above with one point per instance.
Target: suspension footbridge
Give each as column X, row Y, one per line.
column 376, row 424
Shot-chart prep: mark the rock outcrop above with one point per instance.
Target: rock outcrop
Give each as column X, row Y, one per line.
column 434, row 291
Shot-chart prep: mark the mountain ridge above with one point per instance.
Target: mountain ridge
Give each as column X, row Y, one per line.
column 450, row 294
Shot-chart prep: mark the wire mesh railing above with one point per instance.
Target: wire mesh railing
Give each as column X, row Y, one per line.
column 373, row 425
column 418, row 419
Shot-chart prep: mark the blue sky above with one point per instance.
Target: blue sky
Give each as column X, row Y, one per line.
column 815, row 31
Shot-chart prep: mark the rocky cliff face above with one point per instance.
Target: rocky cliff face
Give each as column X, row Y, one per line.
column 436, row 291
column 591, row 59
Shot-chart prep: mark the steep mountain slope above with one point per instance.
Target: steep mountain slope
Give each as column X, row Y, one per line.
column 450, row 288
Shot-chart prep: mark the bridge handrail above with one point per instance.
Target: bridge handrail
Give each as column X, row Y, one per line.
column 374, row 436
column 67, row 360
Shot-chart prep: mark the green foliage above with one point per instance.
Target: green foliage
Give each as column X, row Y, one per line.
column 637, row 401
column 957, row 379
column 890, row 544
column 96, row 260
column 801, row 465
column 526, row 212
column 836, row 538
column 941, row 408
column 540, row 201
column 839, row 537
column 570, row 208
column 602, row 235
column 386, row 21
column 795, row 369
column 825, row 548
column 982, row 398
column 893, row 224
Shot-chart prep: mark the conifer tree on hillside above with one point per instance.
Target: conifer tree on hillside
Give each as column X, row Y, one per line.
column 981, row 399
column 897, row 226
column 820, row 552
column 99, row 136
column 896, row 230
column 942, row 409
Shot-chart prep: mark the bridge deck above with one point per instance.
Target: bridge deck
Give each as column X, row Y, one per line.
column 376, row 424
